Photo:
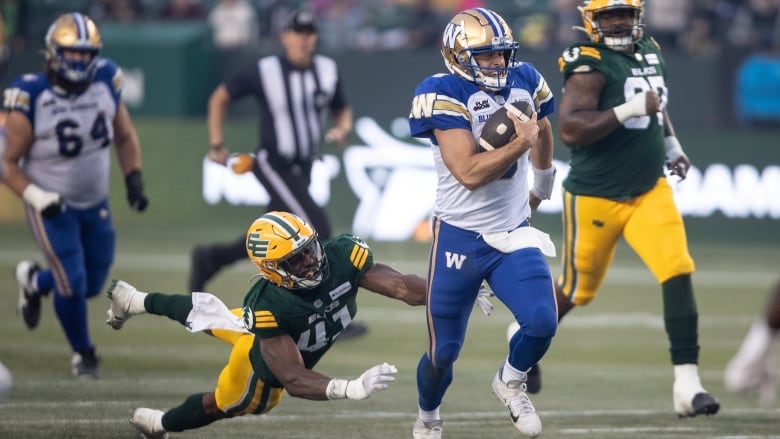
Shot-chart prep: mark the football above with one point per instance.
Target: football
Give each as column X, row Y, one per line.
column 499, row 129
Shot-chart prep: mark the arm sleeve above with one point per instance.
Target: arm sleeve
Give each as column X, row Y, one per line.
column 246, row 81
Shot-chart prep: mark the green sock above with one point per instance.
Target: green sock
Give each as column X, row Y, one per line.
column 188, row 415
column 681, row 319
column 174, row 306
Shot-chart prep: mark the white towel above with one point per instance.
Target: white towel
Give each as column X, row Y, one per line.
column 208, row 312
column 521, row 237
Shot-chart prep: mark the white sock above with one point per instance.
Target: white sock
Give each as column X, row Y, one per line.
column 689, row 374
column 509, row 373
column 428, row 416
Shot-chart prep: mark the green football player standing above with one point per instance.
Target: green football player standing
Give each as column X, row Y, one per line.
column 304, row 298
column 613, row 117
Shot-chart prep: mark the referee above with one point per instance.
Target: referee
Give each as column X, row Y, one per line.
column 295, row 92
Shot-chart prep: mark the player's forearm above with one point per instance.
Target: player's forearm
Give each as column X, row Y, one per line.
column 542, row 154
column 14, row 178
column 343, row 120
column 307, row 385
column 414, row 289
column 218, row 103
column 584, row 127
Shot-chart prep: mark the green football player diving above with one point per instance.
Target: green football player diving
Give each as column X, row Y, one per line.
column 303, row 298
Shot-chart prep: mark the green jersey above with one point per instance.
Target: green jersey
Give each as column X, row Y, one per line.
column 314, row 317
column 628, row 161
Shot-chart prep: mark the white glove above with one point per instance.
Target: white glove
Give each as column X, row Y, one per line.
column 634, row 107
column 483, row 302
column 376, row 378
column 48, row 204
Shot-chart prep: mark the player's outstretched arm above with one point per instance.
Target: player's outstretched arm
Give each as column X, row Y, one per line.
column 283, row 358
column 387, row 281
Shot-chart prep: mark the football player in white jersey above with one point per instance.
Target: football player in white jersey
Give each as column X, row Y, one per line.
column 483, row 204
column 57, row 159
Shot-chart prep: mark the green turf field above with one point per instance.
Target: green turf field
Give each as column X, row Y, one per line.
column 607, row 374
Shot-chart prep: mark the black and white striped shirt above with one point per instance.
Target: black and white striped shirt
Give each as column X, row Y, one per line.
column 293, row 102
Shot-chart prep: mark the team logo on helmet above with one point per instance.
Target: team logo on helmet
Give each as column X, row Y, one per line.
column 286, row 250
column 73, row 32
column 476, row 31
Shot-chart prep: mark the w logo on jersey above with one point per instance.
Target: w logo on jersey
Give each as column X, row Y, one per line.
column 455, row 260
column 422, row 105
column 451, row 33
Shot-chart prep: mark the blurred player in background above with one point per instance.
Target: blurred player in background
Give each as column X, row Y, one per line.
column 295, row 91
column 483, row 205
column 303, row 300
column 753, row 368
column 613, row 117
column 57, row 160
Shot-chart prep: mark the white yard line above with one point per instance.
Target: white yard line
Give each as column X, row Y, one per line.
column 616, row 275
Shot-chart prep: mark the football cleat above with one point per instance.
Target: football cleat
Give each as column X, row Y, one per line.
column 202, row 268
column 427, row 430
column 126, row 301
column 521, row 410
column 353, row 330
column 29, row 304
column 84, row 364
column 148, row 422
column 690, row 398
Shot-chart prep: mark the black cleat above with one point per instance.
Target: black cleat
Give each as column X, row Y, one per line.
column 84, row 364
column 353, row 330
column 202, row 268
column 703, row 404
column 29, row 304
column 534, row 382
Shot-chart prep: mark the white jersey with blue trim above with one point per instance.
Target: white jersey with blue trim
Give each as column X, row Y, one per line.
column 447, row 101
column 70, row 153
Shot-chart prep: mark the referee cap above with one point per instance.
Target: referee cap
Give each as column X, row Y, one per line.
column 302, row 21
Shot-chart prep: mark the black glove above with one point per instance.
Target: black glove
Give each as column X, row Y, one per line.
column 135, row 190
column 53, row 209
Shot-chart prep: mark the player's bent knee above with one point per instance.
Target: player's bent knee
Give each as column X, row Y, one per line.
column 446, row 355
column 543, row 324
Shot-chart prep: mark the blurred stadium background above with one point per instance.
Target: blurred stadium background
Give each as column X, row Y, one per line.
column 607, row 374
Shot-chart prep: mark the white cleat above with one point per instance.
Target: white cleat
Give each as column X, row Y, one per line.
column 126, row 301
column 690, row 398
column 521, row 410
column 148, row 422
column 427, row 430
column 752, row 369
